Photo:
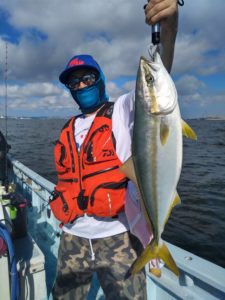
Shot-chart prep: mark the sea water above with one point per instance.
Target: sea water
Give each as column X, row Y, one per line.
column 198, row 224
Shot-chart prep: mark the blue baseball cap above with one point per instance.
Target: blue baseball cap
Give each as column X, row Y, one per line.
column 78, row 62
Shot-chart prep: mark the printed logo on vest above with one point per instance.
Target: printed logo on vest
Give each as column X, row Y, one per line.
column 107, row 152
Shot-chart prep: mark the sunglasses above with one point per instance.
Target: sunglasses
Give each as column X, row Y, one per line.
column 88, row 79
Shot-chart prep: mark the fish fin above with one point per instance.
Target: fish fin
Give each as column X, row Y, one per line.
column 127, row 169
column 156, row 272
column 165, row 255
column 143, row 259
column 188, row 131
column 164, row 133
column 175, row 202
column 155, row 251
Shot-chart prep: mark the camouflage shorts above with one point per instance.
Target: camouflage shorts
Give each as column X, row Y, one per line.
column 113, row 257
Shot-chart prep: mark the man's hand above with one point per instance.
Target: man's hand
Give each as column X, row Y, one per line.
column 160, row 10
column 165, row 12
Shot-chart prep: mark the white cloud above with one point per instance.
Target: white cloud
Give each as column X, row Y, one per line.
column 114, row 36
column 37, row 96
column 129, row 85
column 189, row 85
column 113, row 90
column 115, row 33
column 31, row 90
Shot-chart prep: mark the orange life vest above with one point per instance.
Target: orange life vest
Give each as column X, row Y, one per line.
column 90, row 178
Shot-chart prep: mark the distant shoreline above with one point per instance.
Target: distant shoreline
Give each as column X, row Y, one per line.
column 67, row 117
column 214, row 118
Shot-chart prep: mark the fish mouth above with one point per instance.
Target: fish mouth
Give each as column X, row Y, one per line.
column 144, row 59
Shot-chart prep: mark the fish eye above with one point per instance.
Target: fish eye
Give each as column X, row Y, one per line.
column 149, row 79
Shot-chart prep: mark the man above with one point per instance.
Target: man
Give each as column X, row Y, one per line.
column 90, row 194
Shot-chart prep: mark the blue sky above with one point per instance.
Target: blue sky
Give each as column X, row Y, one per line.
column 43, row 35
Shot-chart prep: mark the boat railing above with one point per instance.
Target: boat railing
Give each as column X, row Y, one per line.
column 199, row 278
column 34, row 188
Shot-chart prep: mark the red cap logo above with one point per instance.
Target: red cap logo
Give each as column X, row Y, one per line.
column 76, row 62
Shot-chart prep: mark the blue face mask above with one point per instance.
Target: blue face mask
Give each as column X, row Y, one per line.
column 90, row 97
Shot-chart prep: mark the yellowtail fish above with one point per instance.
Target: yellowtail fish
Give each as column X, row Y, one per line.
column 156, row 160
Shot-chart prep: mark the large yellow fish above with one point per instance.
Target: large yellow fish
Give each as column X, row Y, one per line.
column 156, row 153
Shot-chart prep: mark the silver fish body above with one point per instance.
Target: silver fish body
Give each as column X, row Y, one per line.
column 156, row 152
column 157, row 141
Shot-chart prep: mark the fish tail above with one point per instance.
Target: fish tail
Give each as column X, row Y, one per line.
column 153, row 251
column 164, row 255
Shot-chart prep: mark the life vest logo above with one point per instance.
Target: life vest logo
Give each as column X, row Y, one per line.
column 107, row 152
column 76, row 62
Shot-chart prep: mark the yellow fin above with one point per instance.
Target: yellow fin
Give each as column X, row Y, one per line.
column 175, row 202
column 143, row 259
column 188, row 131
column 155, row 251
column 156, row 272
column 164, row 132
column 165, row 255
column 128, row 169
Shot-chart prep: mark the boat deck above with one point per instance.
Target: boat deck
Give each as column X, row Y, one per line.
column 199, row 279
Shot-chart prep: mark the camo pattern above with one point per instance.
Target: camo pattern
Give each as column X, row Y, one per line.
column 112, row 259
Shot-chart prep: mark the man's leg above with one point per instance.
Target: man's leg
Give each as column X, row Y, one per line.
column 74, row 269
column 114, row 256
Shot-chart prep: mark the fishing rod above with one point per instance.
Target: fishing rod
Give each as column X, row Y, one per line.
column 156, row 28
column 6, row 114
column 4, row 147
column 156, row 34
